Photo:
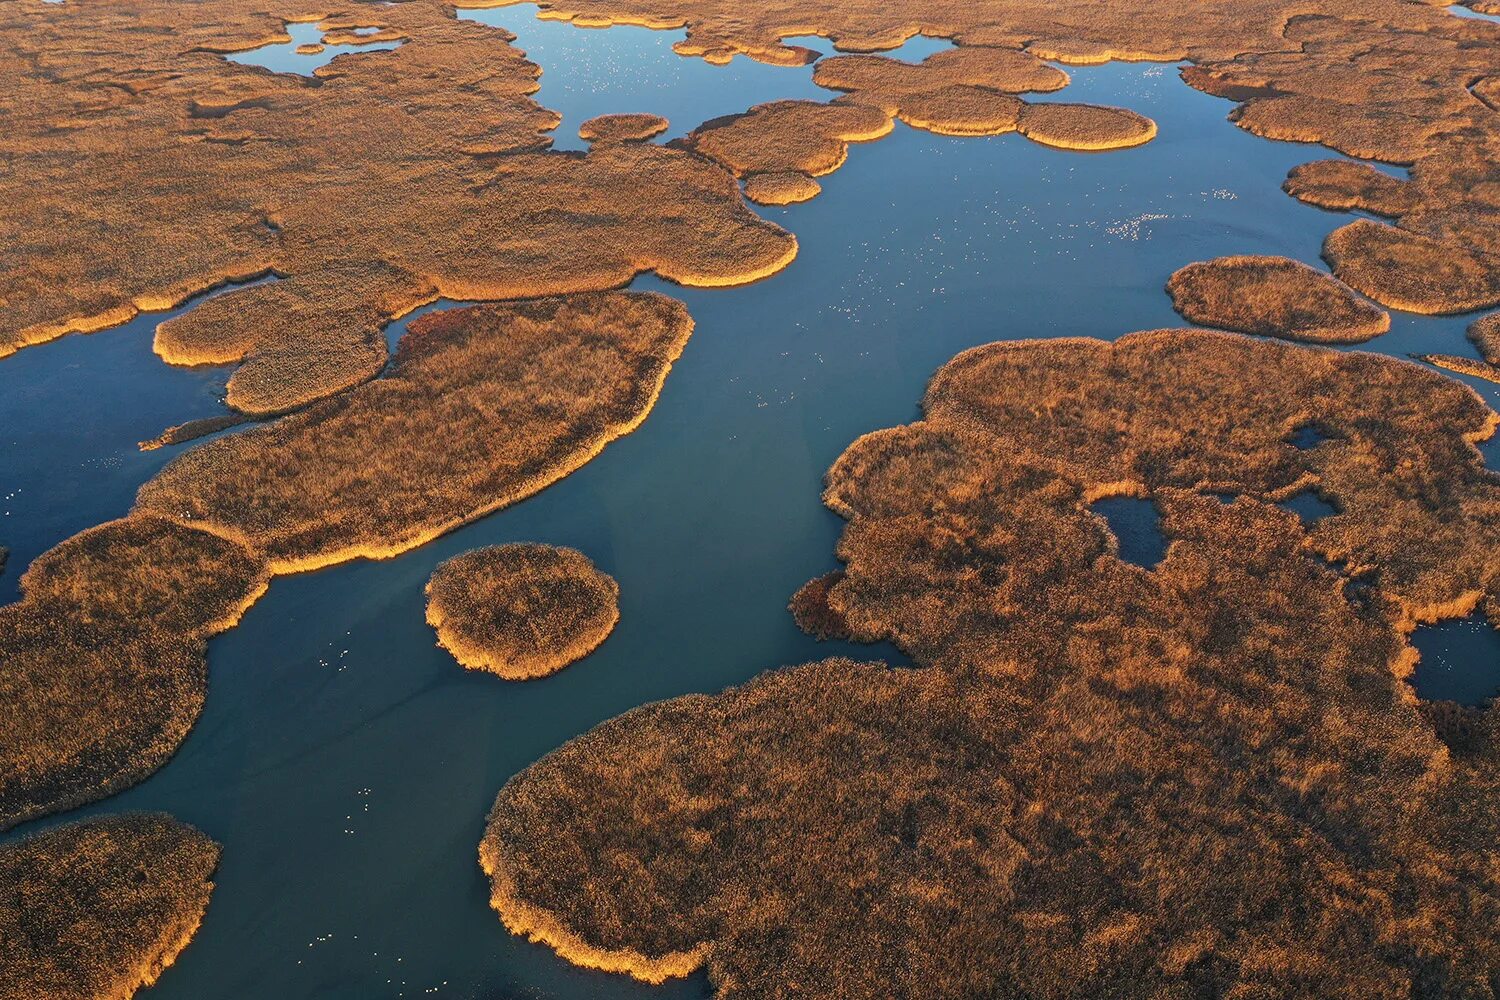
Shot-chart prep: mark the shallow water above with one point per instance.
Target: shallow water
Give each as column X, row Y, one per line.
column 1462, row 11
column 1136, row 525
column 346, row 763
column 593, row 71
column 283, row 57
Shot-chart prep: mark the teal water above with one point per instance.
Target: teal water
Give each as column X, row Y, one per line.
column 346, row 763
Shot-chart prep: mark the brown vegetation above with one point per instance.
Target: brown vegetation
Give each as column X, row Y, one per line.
column 888, row 83
column 95, row 910
column 962, row 91
column 103, row 671
column 1347, row 185
column 521, row 611
column 1485, row 335
column 233, row 171
column 622, row 128
column 1084, row 126
column 810, row 608
column 1275, row 297
column 1206, row 778
column 785, row 188
column 1407, row 270
column 785, row 137
column 482, row 407
column 192, row 430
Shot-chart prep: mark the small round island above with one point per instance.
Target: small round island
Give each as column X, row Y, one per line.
column 521, row 611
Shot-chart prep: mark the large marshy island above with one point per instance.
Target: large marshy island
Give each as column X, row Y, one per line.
column 346, row 347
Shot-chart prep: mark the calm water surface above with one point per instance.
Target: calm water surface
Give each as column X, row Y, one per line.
column 346, row 763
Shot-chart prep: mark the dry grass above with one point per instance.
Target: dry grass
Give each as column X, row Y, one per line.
column 521, row 611
column 95, row 910
column 962, row 110
column 622, row 128
column 785, row 136
column 373, row 190
column 1462, row 365
column 1084, row 126
column 1407, row 270
column 192, row 430
column 889, row 83
column 1484, row 333
column 785, row 188
column 1275, row 297
column 961, row 91
column 103, row 657
column 810, row 608
column 1209, row 778
column 483, row 407
column 1346, row 185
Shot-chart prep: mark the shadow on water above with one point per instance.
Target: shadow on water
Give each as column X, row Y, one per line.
column 346, row 763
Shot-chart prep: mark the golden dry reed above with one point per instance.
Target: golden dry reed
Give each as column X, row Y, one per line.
column 104, row 671
column 103, row 656
column 373, row 190
column 97, row 909
column 1275, row 297
column 1210, row 778
column 521, row 611
column 622, row 128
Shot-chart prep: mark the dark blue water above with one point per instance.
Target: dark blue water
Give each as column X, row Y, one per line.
column 346, row 763
column 1136, row 525
column 1460, row 661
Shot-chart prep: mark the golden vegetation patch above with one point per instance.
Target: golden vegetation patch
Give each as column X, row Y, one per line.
column 960, row 91
column 962, row 110
column 1485, row 335
column 202, row 171
column 1403, row 87
column 1206, row 778
column 482, row 407
column 1347, row 185
column 521, row 611
column 101, row 662
column 622, row 128
column 784, row 188
column 810, row 608
column 785, row 136
column 95, row 910
column 1407, row 270
column 1276, row 297
column 1084, row 126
